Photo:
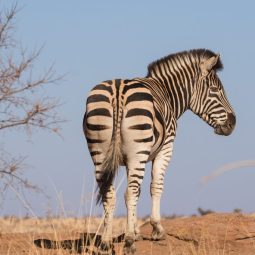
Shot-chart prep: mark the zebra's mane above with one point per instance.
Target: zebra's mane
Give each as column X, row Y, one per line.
column 195, row 54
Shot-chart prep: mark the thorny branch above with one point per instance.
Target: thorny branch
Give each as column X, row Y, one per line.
column 11, row 170
column 24, row 103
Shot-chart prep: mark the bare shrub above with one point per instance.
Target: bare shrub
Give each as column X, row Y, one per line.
column 24, row 101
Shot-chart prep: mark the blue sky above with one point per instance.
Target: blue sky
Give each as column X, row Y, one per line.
column 93, row 41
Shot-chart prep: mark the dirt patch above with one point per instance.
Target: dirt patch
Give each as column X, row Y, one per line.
column 210, row 234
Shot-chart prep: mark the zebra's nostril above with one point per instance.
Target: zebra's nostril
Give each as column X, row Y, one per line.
column 231, row 120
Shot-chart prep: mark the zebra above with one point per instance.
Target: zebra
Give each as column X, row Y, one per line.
column 131, row 122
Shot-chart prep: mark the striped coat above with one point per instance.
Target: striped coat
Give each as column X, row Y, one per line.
column 131, row 122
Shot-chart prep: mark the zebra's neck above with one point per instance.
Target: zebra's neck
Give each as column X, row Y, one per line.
column 177, row 75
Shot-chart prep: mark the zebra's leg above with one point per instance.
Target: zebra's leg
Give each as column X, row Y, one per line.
column 135, row 172
column 108, row 194
column 159, row 166
column 135, row 164
column 137, row 141
column 137, row 231
column 109, row 200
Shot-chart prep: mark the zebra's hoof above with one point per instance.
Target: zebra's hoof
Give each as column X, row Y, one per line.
column 128, row 250
column 105, row 247
column 157, row 235
column 158, row 232
column 129, row 247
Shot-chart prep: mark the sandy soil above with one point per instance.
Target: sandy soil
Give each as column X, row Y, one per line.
column 211, row 234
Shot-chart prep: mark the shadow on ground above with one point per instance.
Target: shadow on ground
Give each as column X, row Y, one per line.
column 87, row 242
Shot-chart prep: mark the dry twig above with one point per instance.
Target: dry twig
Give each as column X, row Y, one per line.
column 24, row 103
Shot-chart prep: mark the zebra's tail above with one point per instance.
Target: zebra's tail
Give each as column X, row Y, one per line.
column 113, row 156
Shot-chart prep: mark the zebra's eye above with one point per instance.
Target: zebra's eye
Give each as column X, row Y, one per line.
column 214, row 89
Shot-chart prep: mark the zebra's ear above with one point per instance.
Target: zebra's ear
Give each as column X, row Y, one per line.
column 207, row 65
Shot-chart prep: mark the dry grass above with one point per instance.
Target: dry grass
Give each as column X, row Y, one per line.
column 14, row 225
column 217, row 234
column 17, row 235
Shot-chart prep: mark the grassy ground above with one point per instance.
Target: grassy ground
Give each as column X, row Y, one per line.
column 215, row 233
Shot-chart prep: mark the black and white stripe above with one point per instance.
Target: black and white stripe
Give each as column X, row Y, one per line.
column 130, row 122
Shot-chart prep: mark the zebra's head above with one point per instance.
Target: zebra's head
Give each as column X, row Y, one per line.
column 209, row 100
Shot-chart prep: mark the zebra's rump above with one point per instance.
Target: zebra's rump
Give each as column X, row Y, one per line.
column 119, row 108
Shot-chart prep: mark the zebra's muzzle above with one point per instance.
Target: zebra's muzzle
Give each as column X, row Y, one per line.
column 228, row 127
